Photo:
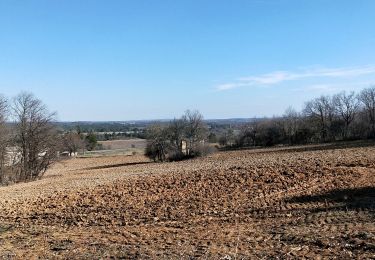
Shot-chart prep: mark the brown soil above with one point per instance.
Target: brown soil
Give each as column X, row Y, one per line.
column 271, row 203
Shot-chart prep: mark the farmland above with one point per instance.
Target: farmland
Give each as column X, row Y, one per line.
column 312, row 201
column 118, row 147
column 124, row 144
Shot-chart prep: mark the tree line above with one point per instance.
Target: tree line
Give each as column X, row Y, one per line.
column 339, row 117
column 30, row 140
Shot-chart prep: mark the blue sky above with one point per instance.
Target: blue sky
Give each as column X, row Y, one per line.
column 126, row 60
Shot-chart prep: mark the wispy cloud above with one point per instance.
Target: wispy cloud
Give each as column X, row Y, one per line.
column 277, row 77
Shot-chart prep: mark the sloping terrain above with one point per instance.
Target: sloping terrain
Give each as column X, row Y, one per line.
column 270, row 203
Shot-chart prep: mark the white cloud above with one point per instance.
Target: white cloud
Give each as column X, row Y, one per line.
column 277, row 77
column 271, row 78
column 227, row 86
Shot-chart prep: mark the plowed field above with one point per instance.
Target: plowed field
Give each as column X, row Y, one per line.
column 312, row 202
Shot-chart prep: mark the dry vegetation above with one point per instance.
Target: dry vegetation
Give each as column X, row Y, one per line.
column 300, row 202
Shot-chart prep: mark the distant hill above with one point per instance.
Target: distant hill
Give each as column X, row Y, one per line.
column 118, row 126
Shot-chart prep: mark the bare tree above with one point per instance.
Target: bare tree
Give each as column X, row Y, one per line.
column 346, row 106
column 35, row 137
column 72, row 142
column 165, row 141
column 176, row 130
column 195, row 130
column 157, row 142
column 247, row 136
column 290, row 123
column 4, row 137
column 367, row 98
column 321, row 110
column 227, row 138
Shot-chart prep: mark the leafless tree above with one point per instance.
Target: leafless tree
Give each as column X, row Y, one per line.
column 165, row 141
column 227, row 138
column 72, row 142
column 4, row 135
column 346, row 106
column 35, row 137
column 321, row 110
column 248, row 133
column 176, row 130
column 157, row 142
column 291, row 123
column 367, row 99
column 195, row 130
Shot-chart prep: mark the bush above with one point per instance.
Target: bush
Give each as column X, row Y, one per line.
column 175, row 155
column 151, row 151
column 202, row 150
